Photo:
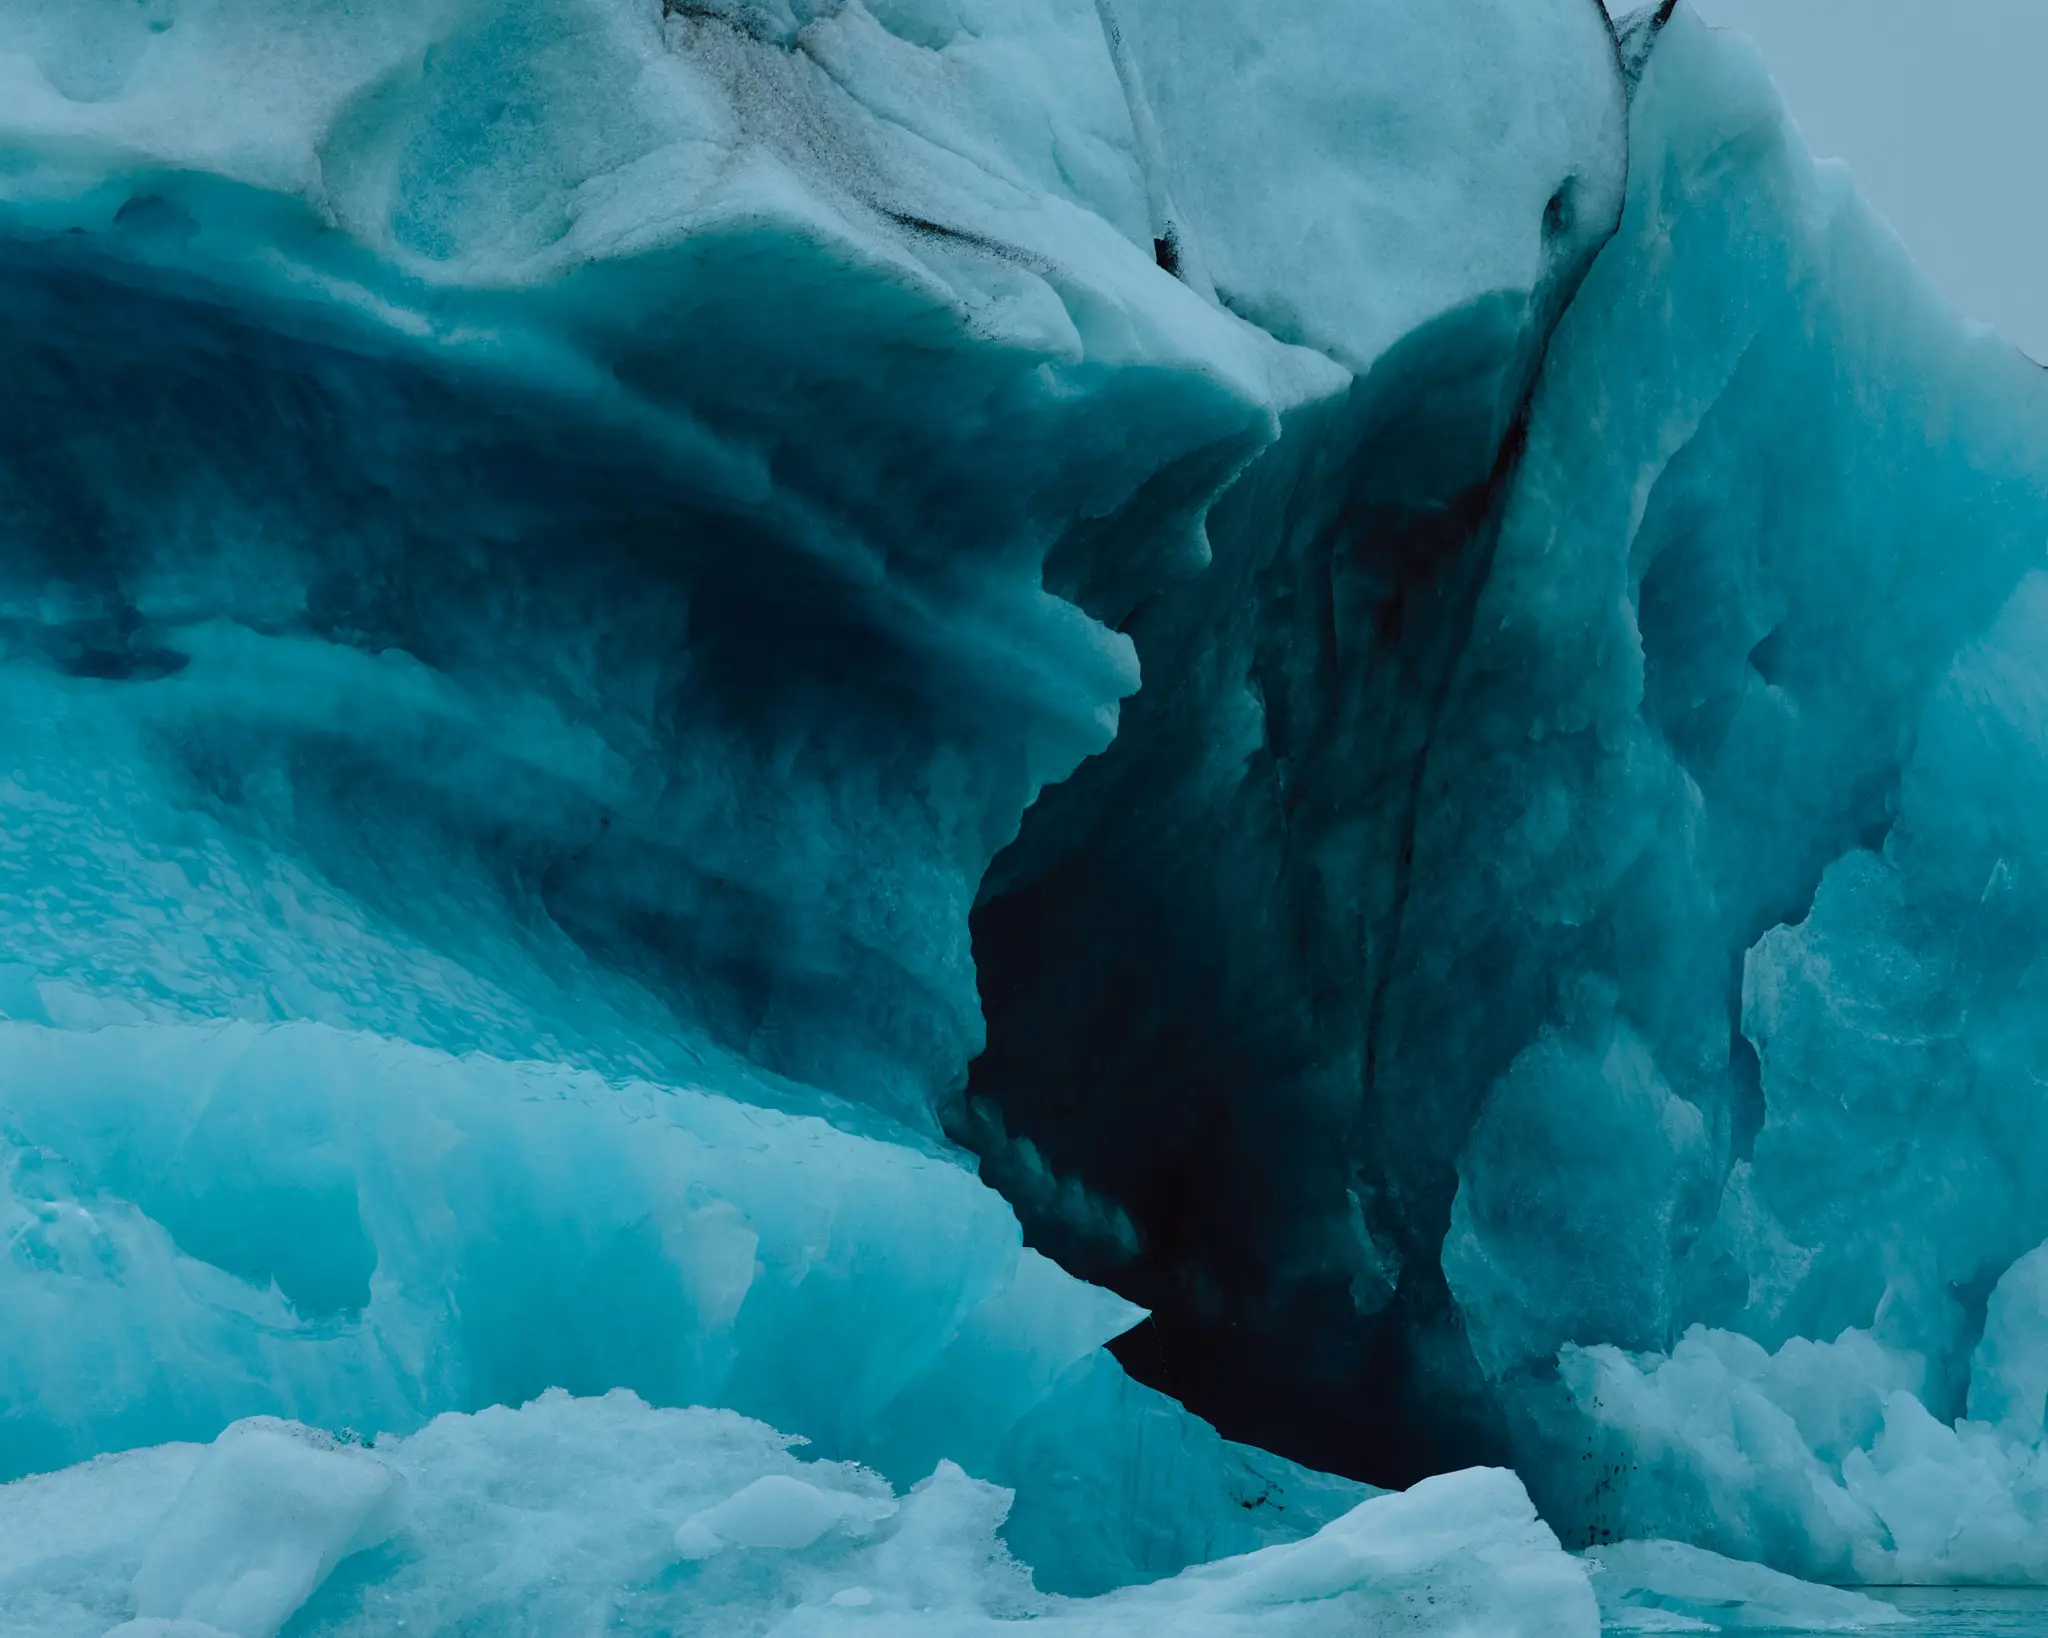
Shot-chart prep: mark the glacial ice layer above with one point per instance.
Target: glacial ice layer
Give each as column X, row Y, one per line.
column 574, row 583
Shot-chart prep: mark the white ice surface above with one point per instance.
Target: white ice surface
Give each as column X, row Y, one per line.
column 563, row 1517
column 1666, row 1586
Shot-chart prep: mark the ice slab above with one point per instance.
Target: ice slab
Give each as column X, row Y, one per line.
column 270, row 1510
column 1667, row 1586
column 212, row 1223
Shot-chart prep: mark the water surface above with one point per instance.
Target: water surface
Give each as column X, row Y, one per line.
column 1961, row 1612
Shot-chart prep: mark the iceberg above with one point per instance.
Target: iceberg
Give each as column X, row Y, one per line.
column 1547, row 951
column 1799, row 734
column 526, row 618
column 908, row 814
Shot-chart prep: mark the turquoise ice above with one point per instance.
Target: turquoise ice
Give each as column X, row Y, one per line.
column 723, row 727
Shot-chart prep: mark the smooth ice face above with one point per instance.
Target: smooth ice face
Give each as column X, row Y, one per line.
column 1562, row 1112
column 775, row 1511
column 2009, row 1369
column 573, row 1511
column 1309, row 155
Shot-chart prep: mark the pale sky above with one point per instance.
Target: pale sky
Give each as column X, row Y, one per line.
column 1941, row 109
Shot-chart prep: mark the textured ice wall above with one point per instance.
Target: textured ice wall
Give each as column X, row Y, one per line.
column 523, row 628
column 787, row 476
column 360, row 1233
column 1769, row 578
column 1180, row 955
column 1556, row 912
column 548, row 545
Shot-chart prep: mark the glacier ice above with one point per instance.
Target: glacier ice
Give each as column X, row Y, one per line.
column 1552, row 934
column 1172, row 954
column 1666, row 1586
column 264, row 1519
column 525, row 624
column 211, row 1222
column 1797, row 751
column 571, row 1514
column 575, row 578
column 1312, row 154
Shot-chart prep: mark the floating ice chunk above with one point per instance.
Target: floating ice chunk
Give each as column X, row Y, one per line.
column 1708, row 1442
column 1821, row 1458
column 266, row 1516
column 1959, row 1503
column 553, row 1519
column 1666, row 1586
column 1463, row 1552
column 775, row 1511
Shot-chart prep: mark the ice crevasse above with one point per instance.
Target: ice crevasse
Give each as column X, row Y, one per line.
column 583, row 839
